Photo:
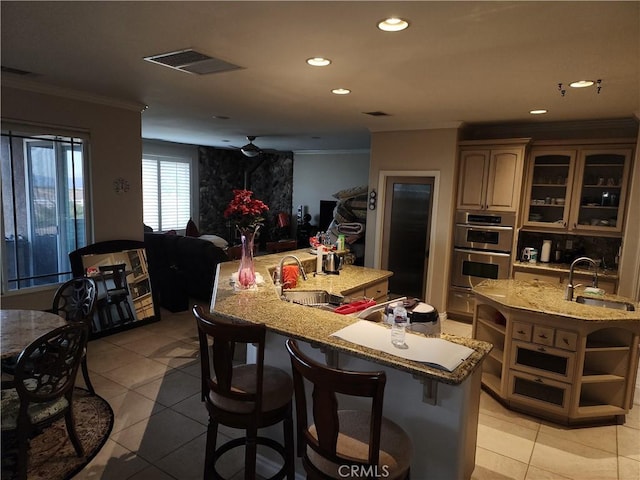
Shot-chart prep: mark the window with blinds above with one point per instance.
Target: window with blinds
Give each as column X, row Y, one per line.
column 166, row 197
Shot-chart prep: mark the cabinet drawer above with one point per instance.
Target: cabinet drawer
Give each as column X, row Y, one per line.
column 542, row 360
column 522, row 331
column 539, row 391
column 543, row 335
column 566, row 340
column 377, row 291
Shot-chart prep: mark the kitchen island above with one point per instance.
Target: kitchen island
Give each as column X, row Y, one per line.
column 568, row 362
column 438, row 408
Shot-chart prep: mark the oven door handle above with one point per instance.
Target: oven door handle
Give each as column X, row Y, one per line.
column 482, row 252
column 471, row 226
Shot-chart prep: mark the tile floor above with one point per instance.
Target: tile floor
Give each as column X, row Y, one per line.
column 150, row 376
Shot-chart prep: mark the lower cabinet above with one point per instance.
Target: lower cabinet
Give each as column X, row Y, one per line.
column 377, row 291
column 562, row 369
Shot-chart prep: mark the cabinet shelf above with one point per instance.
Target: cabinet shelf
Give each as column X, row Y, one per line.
column 599, row 410
column 491, row 380
column 497, row 355
column 491, row 324
column 594, row 377
column 603, row 347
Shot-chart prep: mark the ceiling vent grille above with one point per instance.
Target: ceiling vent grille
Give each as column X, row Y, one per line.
column 191, row 61
column 377, row 114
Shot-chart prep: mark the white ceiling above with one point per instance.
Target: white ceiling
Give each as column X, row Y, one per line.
column 466, row 62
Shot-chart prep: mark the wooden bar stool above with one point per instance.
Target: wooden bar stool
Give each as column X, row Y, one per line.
column 345, row 443
column 247, row 396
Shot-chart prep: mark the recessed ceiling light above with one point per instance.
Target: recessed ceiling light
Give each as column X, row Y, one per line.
column 341, row 91
column 393, row 24
column 539, row 111
column 581, row 83
column 318, row 61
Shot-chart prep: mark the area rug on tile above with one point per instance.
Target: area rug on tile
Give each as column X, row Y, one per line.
column 52, row 456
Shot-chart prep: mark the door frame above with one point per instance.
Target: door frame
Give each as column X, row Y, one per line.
column 382, row 183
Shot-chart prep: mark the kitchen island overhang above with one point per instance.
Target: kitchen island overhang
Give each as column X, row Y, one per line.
column 438, row 408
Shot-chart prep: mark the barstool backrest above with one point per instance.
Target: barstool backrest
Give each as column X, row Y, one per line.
column 326, row 382
column 217, row 357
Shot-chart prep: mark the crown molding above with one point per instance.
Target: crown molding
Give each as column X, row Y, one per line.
column 332, row 152
column 46, row 89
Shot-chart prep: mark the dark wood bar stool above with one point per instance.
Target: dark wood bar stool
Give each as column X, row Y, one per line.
column 345, row 443
column 246, row 396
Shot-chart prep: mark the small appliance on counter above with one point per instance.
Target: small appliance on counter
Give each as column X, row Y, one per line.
column 529, row 254
column 423, row 318
column 332, row 263
column 545, row 253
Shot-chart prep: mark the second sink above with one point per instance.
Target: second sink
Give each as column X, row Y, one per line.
column 313, row 298
column 600, row 302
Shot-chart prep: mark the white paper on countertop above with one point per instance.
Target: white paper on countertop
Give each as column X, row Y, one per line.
column 436, row 352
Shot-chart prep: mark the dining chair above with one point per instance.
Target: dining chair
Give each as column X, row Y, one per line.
column 75, row 301
column 242, row 396
column 42, row 389
column 117, row 294
column 345, row 443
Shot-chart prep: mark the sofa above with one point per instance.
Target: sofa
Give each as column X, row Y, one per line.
column 182, row 268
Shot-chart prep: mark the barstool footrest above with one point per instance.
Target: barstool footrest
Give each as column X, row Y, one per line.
column 267, row 442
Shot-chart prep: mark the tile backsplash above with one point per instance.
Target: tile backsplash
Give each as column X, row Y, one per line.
column 573, row 246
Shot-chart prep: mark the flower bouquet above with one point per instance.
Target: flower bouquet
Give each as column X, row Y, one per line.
column 246, row 213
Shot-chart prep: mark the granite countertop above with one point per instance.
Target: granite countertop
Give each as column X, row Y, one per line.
column 543, row 297
column 316, row 326
column 564, row 268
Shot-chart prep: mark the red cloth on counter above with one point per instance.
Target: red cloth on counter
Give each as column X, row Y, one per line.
column 290, row 276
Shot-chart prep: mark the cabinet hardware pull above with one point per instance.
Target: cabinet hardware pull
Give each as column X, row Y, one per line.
column 543, row 336
column 541, row 349
column 521, row 332
column 564, row 224
column 539, row 380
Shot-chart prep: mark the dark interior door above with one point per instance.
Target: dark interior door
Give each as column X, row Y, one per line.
column 407, row 226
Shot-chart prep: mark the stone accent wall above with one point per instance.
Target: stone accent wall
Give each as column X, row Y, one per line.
column 269, row 176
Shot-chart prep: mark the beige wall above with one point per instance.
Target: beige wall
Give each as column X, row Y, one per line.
column 116, row 150
column 414, row 151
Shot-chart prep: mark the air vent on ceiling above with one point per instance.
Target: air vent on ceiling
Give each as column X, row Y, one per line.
column 191, row 61
column 376, row 114
column 15, row 71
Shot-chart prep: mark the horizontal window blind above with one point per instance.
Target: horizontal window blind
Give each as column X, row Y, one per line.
column 167, row 193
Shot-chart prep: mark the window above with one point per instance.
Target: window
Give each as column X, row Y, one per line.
column 166, row 192
column 43, row 207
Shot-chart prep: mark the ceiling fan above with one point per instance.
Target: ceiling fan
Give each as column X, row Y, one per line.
column 250, row 149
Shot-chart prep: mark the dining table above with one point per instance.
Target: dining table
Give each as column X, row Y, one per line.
column 19, row 328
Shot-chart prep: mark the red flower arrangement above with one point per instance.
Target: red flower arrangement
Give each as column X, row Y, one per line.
column 244, row 211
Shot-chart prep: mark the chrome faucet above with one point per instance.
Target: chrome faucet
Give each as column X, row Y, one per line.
column 277, row 276
column 568, row 293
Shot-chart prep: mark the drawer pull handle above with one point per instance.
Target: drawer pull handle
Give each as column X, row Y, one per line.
column 566, row 342
column 541, row 349
column 539, row 380
column 521, row 332
column 543, row 336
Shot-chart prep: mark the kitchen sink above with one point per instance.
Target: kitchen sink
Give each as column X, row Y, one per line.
column 600, row 302
column 314, row 298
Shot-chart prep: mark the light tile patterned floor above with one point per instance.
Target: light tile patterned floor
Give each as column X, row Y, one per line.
column 151, row 378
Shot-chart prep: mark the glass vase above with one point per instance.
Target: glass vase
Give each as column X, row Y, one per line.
column 246, row 270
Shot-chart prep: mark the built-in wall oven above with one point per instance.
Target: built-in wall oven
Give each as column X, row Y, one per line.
column 482, row 250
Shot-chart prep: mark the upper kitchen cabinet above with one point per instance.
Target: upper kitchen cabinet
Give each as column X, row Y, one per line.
column 491, row 175
column 577, row 189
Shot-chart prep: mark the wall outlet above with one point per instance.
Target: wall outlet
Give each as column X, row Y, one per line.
column 569, row 244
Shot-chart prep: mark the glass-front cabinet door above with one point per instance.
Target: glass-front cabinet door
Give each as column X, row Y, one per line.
column 550, row 187
column 602, row 177
column 581, row 188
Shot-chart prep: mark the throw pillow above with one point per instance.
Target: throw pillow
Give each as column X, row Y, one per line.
column 192, row 229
